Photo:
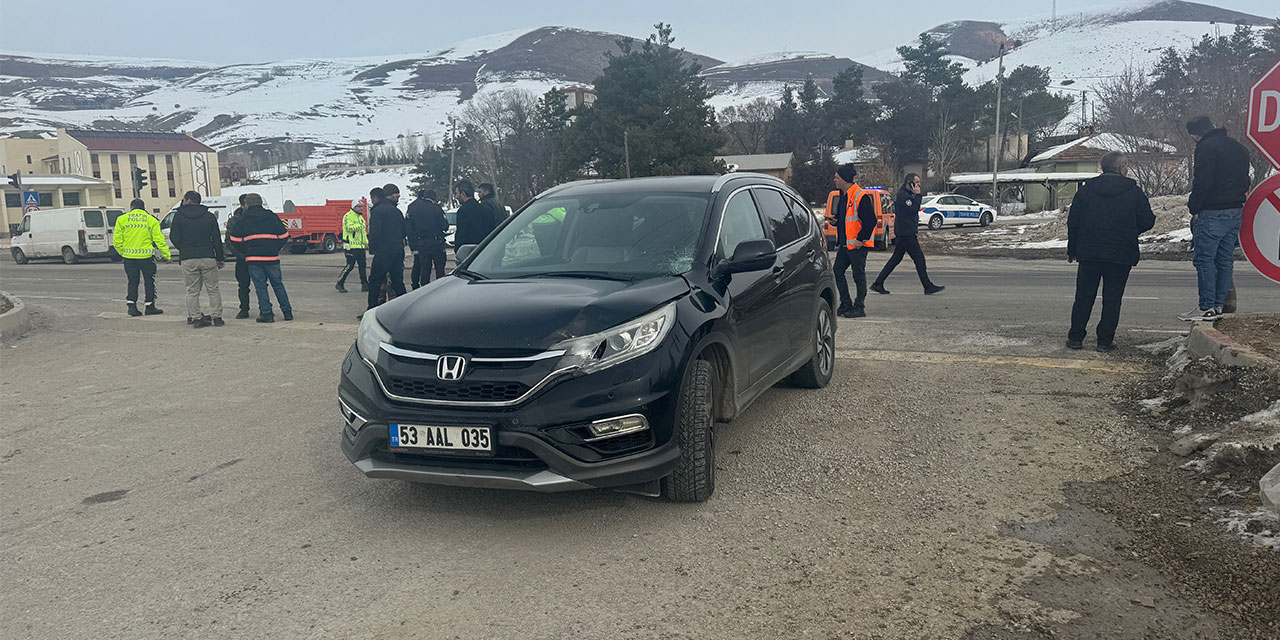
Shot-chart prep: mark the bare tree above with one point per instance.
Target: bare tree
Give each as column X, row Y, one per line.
column 947, row 144
column 1123, row 104
column 748, row 125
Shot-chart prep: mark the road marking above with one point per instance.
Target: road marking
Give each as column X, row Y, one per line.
column 58, row 298
column 939, row 357
column 278, row 324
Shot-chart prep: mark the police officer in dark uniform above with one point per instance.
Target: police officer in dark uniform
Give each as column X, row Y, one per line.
column 387, row 233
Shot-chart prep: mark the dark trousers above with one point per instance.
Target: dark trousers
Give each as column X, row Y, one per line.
column 1114, row 277
column 423, row 262
column 386, row 263
column 354, row 257
column 906, row 245
column 143, row 269
column 856, row 258
column 242, row 282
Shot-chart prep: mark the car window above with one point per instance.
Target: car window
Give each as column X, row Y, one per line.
column 93, row 219
column 783, row 227
column 741, row 223
column 112, row 214
column 636, row 235
column 26, row 225
column 168, row 220
column 803, row 217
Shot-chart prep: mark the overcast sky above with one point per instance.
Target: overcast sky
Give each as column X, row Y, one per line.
column 266, row 30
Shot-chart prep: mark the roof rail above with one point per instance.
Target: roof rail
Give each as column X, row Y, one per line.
column 565, row 185
column 724, row 179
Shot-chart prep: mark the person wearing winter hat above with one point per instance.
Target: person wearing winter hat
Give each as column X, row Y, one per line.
column 387, row 233
column 355, row 239
column 854, row 217
column 259, row 236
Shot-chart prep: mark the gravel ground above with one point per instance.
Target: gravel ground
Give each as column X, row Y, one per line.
column 1260, row 333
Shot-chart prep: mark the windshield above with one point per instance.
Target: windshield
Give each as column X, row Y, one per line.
column 629, row 235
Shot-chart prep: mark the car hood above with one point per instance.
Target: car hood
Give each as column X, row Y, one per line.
column 518, row 315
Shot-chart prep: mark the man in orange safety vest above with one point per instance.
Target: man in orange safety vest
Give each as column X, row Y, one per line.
column 854, row 217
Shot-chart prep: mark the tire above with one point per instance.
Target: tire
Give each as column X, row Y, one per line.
column 935, row 222
column 695, row 479
column 18, row 256
column 69, row 256
column 818, row 371
column 329, row 245
column 985, row 220
column 298, row 248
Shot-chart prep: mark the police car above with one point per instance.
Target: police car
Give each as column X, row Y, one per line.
column 943, row 209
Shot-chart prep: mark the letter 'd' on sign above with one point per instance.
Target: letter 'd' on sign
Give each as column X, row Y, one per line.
column 1264, row 115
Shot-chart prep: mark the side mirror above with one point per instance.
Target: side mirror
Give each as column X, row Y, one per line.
column 464, row 252
column 752, row 255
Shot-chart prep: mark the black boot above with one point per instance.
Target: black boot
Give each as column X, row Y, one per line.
column 152, row 310
column 133, row 309
column 243, row 315
column 878, row 288
column 932, row 289
column 340, row 288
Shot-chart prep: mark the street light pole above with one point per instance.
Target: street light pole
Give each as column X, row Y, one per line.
column 626, row 149
column 995, row 173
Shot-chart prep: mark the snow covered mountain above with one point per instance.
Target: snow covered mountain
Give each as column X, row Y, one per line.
column 335, row 105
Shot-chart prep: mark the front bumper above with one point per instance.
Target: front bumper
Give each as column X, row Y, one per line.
column 537, row 443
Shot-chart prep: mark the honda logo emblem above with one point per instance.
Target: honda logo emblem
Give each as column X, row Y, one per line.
column 451, row 367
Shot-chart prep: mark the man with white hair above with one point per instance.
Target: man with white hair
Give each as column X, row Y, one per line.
column 355, row 239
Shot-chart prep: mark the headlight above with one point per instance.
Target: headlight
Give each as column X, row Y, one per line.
column 619, row 344
column 370, row 336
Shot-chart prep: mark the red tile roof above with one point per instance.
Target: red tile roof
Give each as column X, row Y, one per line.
column 144, row 141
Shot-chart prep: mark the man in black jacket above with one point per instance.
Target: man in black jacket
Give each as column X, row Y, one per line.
column 387, row 233
column 489, row 199
column 427, row 230
column 475, row 221
column 258, row 236
column 195, row 235
column 242, row 267
column 859, row 223
column 1107, row 215
column 1218, row 192
column 906, row 217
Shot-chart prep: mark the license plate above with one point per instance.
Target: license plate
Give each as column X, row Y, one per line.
column 412, row 436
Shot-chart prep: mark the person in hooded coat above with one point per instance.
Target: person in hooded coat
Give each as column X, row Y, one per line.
column 1107, row 215
column 195, row 235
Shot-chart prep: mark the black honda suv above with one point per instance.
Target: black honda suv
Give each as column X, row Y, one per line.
column 594, row 340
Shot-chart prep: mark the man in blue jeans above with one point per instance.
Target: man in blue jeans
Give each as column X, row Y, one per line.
column 1220, row 183
column 259, row 235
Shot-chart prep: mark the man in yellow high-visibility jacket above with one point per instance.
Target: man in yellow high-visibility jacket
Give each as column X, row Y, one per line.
column 136, row 237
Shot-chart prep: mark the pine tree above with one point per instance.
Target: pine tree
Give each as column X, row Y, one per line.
column 926, row 64
column 652, row 101
column 849, row 115
column 784, row 131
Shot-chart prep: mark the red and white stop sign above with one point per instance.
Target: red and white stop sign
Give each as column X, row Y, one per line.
column 1264, row 115
column 1260, row 228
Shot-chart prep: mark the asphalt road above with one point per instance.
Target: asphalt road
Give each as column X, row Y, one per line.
column 164, row 482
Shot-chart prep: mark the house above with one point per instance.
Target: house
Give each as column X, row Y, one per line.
column 575, row 97
column 1082, row 156
column 777, row 165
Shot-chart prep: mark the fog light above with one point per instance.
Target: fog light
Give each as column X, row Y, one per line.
column 612, row 427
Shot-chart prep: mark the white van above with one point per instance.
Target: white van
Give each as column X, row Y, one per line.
column 220, row 206
column 71, row 233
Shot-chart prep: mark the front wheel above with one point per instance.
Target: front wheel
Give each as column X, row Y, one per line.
column 817, row 372
column 935, row 222
column 69, row 256
column 985, row 220
column 18, row 256
column 695, row 479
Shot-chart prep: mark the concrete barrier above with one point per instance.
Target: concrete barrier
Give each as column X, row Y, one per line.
column 1206, row 341
column 14, row 322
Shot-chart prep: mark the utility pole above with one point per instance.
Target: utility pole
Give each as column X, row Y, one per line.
column 995, row 173
column 626, row 149
column 453, row 150
column 1084, row 119
column 1020, row 154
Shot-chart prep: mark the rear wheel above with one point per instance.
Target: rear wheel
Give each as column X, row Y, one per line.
column 817, row 372
column 935, row 222
column 69, row 256
column 330, row 244
column 695, row 479
column 18, row 256
column 985, row 219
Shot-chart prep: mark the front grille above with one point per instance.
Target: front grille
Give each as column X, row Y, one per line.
column 461, row 391
column 503, row 458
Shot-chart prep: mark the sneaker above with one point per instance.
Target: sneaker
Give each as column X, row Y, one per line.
column 1075, row 344
column 217, row 322
column 133, row 310
column 152, row 310
column 243, row 315
column 1201, row 315
column 928, row 291
column 854, row 313
column 288, row 315
column 879, row 288
column 200, row 323
column 1106, row 347
column 340, row 288
column 267, row 318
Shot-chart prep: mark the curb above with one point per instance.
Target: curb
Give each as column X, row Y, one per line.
column 15, row 321
column 1209, row 342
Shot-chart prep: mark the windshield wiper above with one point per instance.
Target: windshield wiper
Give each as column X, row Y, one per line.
column 585, row 275
column 470, row 274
